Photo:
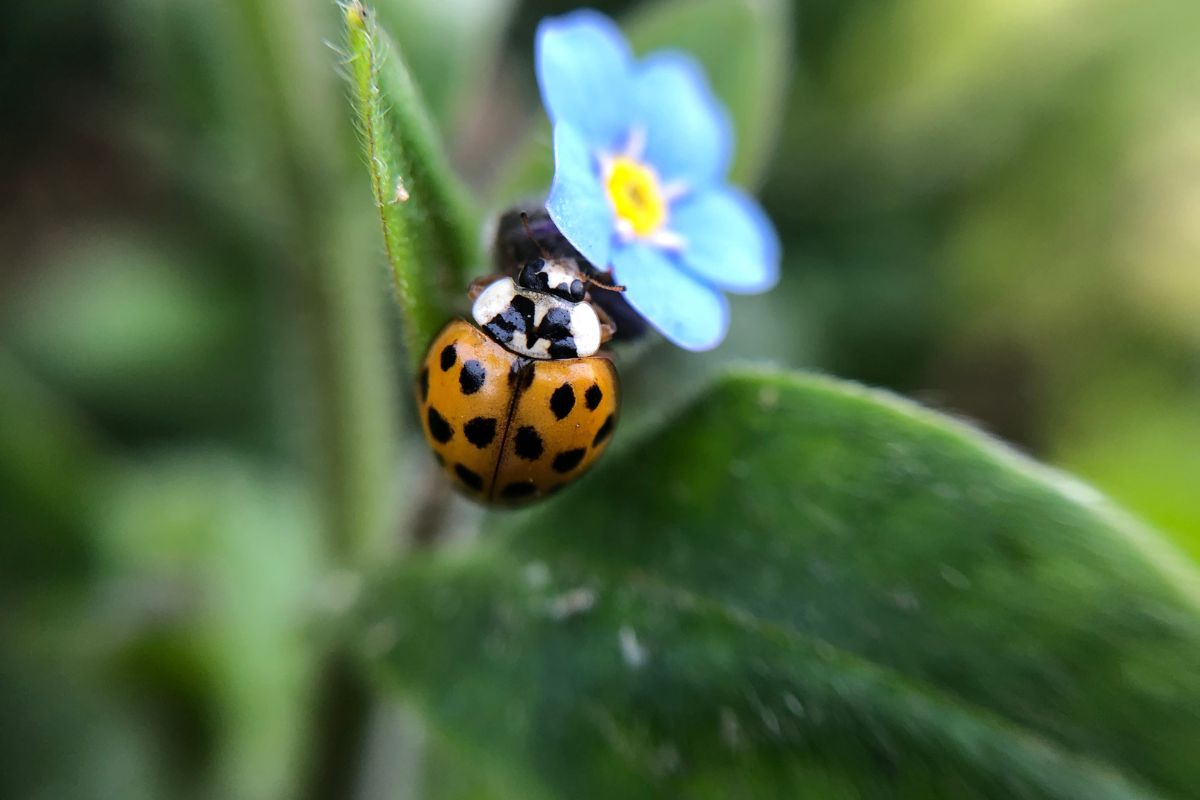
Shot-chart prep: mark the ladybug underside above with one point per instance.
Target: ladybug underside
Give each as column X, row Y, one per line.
column 508, row 428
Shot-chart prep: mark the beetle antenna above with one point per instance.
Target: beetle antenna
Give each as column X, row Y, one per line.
column 532, row 238
column 612, row 287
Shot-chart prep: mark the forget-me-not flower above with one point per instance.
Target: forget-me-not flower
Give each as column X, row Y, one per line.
column 641, row 150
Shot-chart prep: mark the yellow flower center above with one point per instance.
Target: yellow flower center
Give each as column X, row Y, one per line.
column 636, row 197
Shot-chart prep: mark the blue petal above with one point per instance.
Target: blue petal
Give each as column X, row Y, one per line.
column 584, row 69
column 577, row 202
column 689, row 312
column 688, row 134
column 729, row 240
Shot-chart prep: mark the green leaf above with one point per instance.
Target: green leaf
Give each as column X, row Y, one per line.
column 429, row 238
column 803, row 588
column 744, row 47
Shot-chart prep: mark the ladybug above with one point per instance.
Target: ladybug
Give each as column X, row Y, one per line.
column 519, row 404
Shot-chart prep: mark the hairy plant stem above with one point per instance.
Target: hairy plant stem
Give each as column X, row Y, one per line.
column 422, row 208
column 324, row 266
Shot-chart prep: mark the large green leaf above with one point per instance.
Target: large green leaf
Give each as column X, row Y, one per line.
column 802, row 588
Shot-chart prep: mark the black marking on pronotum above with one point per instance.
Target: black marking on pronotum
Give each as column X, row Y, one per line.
column 593, row 396
column 480, row 431
column 564, row 348
column 528, row 444
column 555, row 327
column 423, row 383
column 604, row 431
column 471, row 377
column 518, row 489
column 449, row 356
column 439, row 429
column 568, row 460
column 562, row 401
column 524, row 309
column 471, row 479
column 502, row 326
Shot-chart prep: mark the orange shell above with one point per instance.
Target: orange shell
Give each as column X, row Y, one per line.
column 509, row 429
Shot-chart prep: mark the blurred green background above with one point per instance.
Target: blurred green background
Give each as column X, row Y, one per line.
column 991, row 206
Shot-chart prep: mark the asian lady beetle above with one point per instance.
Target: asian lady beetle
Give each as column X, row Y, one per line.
column 519, row 404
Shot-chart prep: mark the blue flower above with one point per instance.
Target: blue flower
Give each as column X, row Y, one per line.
column 641, row 149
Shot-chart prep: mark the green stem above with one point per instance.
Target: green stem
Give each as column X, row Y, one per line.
column 427, row 230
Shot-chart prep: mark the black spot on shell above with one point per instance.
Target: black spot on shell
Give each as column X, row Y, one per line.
column 439, row 429
column 470, row 479
column 518, row 489
column 480, row 431
column 593, row 396
column 568, row 460
column 528, row 444
column 562, row 401
column 441, row 461
column 604, row 432
column 449, row 356
column 471, row 377
column 423, row 383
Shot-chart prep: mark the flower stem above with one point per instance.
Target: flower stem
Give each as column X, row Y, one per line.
column 423, row 209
